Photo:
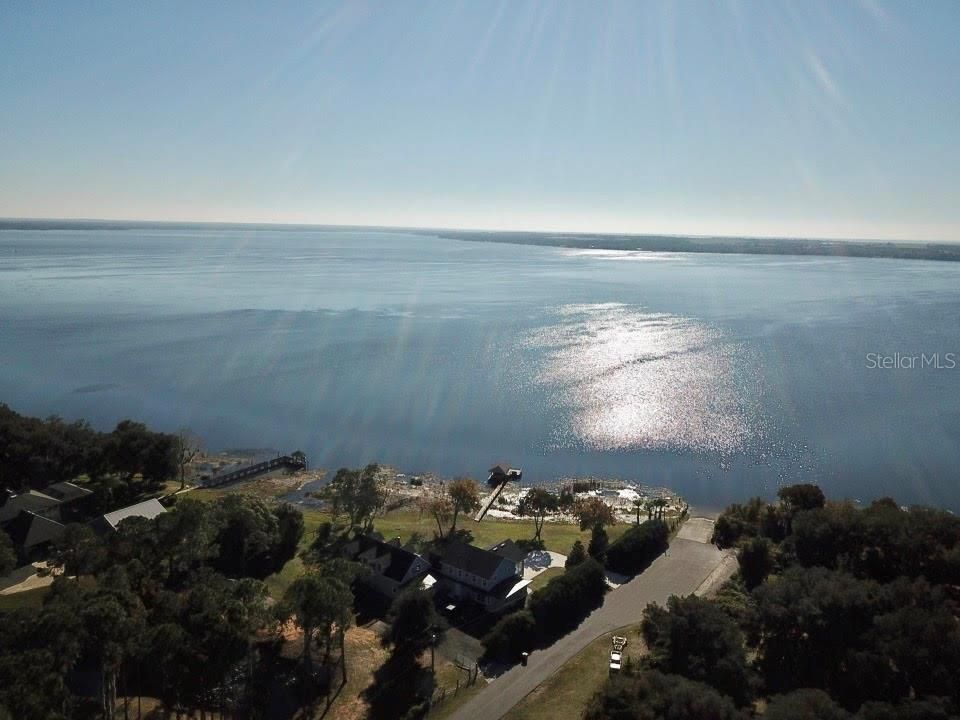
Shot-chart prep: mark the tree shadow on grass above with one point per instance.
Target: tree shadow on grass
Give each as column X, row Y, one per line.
column 401, row 689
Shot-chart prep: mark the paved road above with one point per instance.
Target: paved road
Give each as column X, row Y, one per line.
column 686, row 566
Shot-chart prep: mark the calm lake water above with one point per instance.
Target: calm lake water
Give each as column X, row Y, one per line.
column 720, row 376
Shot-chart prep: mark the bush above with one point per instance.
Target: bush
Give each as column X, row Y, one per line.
column 655, row 696
column 599, row 542
column 756, row 561
column 638, row 547
column 559, row 607
column 696, row 638
column 577, row 555
column 513, row 635
column 806, row 704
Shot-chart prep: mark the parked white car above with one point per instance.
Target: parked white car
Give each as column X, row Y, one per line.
column 616, row 654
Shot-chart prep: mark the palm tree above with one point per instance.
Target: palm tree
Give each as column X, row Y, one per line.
column 638, row 505
column 660, row 504
column 648, row 506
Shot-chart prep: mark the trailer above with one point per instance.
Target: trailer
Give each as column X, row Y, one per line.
column 616, row 653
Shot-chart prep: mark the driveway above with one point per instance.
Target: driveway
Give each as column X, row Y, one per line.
column 539, row 560
column 689, row 565
column 698, row 528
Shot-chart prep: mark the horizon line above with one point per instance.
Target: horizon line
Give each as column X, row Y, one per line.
column 441, row 229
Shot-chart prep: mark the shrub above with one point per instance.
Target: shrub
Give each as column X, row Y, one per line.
column 696, row 638
column 756, row 561
column 513, row 635
column 559, row 606
column 806, row 704
column 654, row 696
column 638, row 547
column 599, row 542
column 577, row 555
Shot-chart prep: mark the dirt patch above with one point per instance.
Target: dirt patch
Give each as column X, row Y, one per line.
column 365, row 654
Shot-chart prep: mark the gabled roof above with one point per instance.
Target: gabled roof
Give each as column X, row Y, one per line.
column 401, row 560
column 31, row 501
column 148, row 509
column 510, row 550
column 504, row 469
column 471, row 559
column 29, row 529
column 66, row 492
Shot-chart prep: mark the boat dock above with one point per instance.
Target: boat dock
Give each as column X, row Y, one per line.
column 500, row 475
column 248, row 471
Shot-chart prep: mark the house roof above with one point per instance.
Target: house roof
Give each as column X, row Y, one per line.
column 66, row 492
column 31, row 501
column 471, row 559
column 504, row 469
column 510, row 550
column 508, row 587
column 148, row 509
column 29, row 529
column 400, row 559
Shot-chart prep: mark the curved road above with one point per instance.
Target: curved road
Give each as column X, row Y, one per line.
column 689, row 563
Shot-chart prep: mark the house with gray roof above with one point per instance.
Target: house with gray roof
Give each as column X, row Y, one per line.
column 32, row 535
column 392, row 568
column 108, row 523
column 62, row 501
column 30, row 501
column 492, row 578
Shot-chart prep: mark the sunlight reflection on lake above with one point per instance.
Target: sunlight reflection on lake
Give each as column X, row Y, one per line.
column 630, row 379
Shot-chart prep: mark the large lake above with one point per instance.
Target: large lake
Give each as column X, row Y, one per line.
column 720, row 376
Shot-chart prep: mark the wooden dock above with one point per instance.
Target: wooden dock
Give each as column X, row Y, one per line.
column 492, row 498
column 248, row 471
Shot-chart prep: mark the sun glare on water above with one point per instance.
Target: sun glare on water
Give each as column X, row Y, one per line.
column 627, row 379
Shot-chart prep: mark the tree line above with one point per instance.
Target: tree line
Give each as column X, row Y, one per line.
column 837, row 613
column 172, row 608
column 120, row 464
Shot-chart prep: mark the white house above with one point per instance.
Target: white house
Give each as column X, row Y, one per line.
column 492, row 578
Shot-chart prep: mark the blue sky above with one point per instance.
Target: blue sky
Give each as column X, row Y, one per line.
column 835, row 119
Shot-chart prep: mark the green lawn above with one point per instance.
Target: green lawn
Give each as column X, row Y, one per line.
column 565, row 694
column 558, row 537
column 404, row 523
column 546, row 576
column 27, row 599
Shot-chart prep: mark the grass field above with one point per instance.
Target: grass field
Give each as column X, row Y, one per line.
column 543, row 578
column 565, row 694
column 405, row 523
column 27, row 599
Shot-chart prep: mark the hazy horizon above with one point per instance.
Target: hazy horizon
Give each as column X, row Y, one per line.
column 81, row 221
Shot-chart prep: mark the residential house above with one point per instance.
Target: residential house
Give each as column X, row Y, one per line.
column 30, row 501
column 34, row 518
column 491, row 578
column 75, row 501
column 392, row 568
column 107, row 524
column 62, row 501
column 32, row 535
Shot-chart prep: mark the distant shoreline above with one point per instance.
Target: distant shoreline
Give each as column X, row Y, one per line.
column 896, row 250
column 949, row 252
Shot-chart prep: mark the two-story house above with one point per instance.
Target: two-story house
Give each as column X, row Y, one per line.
column 392, row 568
column 492, row 578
